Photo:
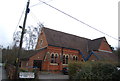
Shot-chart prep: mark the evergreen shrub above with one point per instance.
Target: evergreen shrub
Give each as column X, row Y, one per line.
column 94, row 71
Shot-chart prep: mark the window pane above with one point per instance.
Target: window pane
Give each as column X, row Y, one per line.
column 76, row 58
column 52, row 58
column 66, row 59
column 56, row 56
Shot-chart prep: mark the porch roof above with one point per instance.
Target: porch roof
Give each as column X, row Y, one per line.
column 26, row 54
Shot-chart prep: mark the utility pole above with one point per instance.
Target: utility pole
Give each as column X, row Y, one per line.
column 21, row 41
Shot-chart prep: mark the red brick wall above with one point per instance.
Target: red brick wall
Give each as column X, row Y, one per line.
column 93, row 58
column 28, row 65
column 58, row 50
column 105, row 46
column 43, row 38
column 46, row 63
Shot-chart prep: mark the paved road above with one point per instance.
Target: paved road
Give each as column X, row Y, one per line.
column 42, row 77
column 54, row 76
column 2, row 73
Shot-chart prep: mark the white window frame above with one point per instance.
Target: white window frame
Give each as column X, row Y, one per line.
column 41, row 42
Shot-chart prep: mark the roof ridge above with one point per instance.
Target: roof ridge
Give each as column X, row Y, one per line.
column 98, row 38
column 66, row 33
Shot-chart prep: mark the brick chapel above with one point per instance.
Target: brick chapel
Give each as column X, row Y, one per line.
column 55, row 49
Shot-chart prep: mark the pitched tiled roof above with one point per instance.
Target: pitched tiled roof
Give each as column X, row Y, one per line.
column 95, row 44
column 26, row 54
column 107, row 56
column 62, row 39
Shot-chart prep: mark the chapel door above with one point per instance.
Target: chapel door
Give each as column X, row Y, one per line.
column 37, row 64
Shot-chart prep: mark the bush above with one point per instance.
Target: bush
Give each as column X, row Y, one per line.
column 74, row 67
column 103, row 71
column 93, row 71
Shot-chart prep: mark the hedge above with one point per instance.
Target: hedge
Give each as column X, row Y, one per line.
column 98, row 71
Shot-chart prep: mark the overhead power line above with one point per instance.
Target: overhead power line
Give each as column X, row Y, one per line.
column 19, row 21
column 35, row 4
column 34, row 17
column 39, row 3
column 77, row 20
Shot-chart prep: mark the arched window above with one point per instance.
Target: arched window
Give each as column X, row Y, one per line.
column 63, row 59
column 82, row 59
column 56, row 58
column 52, row 58
column 66, row 59
column 76, row 58
column 73, row 57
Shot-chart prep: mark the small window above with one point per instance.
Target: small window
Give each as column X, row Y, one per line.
column 82, row 60
column 41, row 42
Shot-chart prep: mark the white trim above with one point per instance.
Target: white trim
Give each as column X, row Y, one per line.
column 56, row 54
column 92, row 60
column 45, row 58
column 64, row 64
column 48, row 55
column 67, row 55
column 64, row 54
column 53, row 63
column 48, row 52
column 27, row 64
column 74, row 56
column 104, row 51
column 52, row 53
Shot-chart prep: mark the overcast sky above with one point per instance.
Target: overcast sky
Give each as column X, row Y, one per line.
column 100, row 14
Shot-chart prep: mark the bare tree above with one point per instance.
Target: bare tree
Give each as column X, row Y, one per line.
column 16, row 38
column 30, row 37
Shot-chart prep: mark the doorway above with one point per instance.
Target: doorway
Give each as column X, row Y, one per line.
column 37, row 64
